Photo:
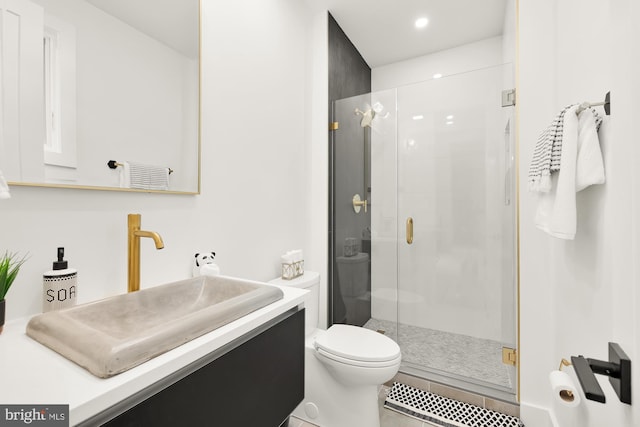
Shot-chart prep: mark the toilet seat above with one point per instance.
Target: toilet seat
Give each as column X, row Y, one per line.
column 357, row 346
column 358, row 363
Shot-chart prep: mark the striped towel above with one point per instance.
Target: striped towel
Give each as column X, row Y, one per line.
column 548, row 151
column 546, row 156
column 145, row 177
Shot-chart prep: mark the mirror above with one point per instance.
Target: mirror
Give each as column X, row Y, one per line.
column 85, row 82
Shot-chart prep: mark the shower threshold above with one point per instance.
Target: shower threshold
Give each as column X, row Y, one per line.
column 468, row 363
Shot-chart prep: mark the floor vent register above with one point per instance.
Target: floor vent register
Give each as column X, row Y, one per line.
column 442, row 411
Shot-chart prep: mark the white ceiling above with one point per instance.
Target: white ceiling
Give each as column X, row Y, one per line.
column 172, row 22
column 383, row 30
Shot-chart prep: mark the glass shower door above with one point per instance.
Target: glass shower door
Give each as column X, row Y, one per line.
column 456, row 300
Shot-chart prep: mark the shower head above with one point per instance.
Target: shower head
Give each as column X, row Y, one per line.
column 367, row 117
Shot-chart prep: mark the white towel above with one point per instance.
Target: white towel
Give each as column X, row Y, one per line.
column 125, row 176
column 145, row 177
column 589, row 165
column 581, row 166
column 4, row 188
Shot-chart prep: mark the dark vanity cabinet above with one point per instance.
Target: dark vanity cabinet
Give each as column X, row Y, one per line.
column 255, row 381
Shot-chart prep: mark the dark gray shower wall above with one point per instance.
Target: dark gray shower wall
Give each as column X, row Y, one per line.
column 349, row 75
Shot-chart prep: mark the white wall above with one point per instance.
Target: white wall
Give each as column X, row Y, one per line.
column 254, row 202
column 472, row 56
column 317, row 155
column 578, row 295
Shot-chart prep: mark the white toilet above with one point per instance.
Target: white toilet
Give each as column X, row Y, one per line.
column 344, row 366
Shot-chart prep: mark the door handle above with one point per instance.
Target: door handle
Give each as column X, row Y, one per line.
column 409, row 231
column 508, row 164
column 357, row 202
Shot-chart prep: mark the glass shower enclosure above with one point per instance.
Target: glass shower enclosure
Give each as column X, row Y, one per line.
column 424, row 225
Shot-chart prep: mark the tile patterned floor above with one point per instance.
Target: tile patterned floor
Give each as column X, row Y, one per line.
column 462, row 355
column 388, row 418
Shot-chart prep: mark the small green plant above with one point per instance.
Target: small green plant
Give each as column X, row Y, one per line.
column 9, row 267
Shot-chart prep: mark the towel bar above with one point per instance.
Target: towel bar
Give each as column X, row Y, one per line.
column 113, row 164
column 606, row 103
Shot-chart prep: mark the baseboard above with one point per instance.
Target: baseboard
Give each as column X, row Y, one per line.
column 536, row 416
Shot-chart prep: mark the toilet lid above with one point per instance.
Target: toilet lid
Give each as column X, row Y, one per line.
column 356, row 343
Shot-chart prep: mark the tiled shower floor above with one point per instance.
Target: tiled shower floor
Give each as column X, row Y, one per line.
column 462, row 355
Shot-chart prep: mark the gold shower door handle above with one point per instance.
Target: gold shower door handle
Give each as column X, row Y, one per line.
column 409, row 230
column 357, row 202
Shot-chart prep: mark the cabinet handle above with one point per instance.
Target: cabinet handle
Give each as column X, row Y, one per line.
column 409, row 230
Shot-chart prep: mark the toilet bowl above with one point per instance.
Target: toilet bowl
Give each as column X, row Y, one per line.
column 344, row 366
column 356, row 356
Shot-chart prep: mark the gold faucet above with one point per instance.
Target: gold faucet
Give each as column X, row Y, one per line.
column 135, row 234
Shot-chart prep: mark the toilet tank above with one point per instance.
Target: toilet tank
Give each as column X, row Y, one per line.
column 310, row 281
column 353, row 274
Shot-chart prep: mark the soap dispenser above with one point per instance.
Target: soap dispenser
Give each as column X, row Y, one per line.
column 60, row 285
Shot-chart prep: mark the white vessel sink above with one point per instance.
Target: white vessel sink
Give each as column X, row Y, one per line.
column 115, row 334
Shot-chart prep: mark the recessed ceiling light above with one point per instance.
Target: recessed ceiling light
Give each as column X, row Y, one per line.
column 418, row 117
column 450, row 117
column 450, row 122
column 421, row 22
column 437, row 76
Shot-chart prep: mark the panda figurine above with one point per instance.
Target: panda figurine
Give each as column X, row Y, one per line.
column 204, row 265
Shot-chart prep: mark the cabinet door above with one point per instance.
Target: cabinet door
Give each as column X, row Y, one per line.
column 258, row 383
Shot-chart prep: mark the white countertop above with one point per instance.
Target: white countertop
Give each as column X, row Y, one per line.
column 34, row 374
